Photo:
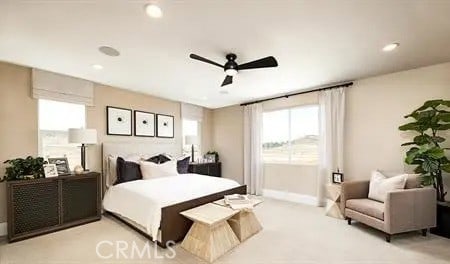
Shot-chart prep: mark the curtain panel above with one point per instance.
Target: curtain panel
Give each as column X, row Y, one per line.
column 253, row 165
column 331, row 138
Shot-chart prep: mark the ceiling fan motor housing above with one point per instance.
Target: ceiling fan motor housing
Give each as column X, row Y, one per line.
column 231, row 66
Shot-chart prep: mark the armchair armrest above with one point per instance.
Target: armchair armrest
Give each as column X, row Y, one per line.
column 410, row 209
column 353, row 190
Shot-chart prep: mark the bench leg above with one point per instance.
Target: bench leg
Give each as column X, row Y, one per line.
column 349, row 221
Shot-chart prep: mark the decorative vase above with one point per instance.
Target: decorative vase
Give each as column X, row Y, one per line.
column 78, row 169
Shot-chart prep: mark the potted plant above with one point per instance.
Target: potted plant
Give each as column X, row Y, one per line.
column 23, row 169
column 431, row 120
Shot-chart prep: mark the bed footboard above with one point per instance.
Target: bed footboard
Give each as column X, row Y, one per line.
column 174, row 226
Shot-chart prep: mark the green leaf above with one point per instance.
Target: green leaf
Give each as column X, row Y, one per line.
column 446, row 168
column 445, row 117
column 419, row 170
column 408, row 143
column 415, row 126
column 430, row 165
column 427, row 180
column 443, row 127
column 435, row 153
column 446, row 103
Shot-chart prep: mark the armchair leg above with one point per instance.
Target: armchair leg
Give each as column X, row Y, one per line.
column 349, row 221
column 388, row 238
column 424, row 232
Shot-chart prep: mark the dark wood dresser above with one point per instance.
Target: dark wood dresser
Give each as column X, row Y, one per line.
column 41, row 206
column 210, row 169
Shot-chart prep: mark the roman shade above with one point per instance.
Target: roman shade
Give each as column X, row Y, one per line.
column 191, row 112
column 58, row 87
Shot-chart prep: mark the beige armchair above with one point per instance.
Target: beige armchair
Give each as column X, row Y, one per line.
column 403, row 211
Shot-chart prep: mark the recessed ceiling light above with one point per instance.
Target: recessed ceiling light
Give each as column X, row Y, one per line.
column 223, row 92
column 391, row 47
column 109, row 51
column 97, row 66
column 153, row 10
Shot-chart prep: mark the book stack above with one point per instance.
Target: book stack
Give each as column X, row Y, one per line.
column 238, row 201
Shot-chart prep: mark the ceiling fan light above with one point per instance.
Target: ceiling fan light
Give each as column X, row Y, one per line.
column 231, row 72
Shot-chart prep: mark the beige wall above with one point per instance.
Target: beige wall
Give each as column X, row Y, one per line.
column 19, row 119
column 375, row 109
column 228, row 129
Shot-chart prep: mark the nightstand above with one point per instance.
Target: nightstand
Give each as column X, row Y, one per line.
column 210, row 169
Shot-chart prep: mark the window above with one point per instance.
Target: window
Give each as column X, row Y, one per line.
column 55, row 118
column 291, row 135
column 191, row 128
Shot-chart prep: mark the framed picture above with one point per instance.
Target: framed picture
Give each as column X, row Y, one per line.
column 210, row 158
column 144, row 124
column 337, row 177
column 50, row 170
column 164, row 126
column 118, row 121
column 62, row 165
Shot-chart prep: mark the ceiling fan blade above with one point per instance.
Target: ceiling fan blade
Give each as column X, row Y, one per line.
column 196, row 57
column 228, row 80
column 261, row 63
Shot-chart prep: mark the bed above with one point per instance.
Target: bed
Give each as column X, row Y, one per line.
column 157, row 203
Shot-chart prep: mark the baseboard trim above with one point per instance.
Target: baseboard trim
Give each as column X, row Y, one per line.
column 3, row 229
column 291, row 197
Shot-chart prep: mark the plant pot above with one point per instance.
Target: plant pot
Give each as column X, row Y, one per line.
column 443, row 220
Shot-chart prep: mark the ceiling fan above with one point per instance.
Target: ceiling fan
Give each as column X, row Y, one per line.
column 231, row 68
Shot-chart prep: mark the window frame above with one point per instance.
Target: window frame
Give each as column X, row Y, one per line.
column 198, row 150
column 289, row 144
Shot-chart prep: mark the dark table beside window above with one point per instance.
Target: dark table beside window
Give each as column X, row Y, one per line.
column 210, row 169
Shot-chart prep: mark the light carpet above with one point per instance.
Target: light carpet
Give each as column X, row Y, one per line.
column 293, row 233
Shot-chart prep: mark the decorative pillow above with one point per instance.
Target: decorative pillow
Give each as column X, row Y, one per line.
column 154, row 159
column 127, row 171
column 380, row 185
column 111, row 171
column 152, row 170
column 183, row 165
column 164, row 158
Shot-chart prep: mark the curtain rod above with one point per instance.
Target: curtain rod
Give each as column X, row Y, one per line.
column 347, row 84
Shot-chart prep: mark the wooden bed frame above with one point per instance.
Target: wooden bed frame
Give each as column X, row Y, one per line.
column 174, row 226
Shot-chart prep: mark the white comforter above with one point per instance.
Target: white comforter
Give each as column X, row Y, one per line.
column 142, row 200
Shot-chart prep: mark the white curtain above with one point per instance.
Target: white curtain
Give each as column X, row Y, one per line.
column 331, row 140
column 253, row 165
column 63, row 88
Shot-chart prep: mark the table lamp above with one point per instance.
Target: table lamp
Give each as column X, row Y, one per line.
column 191, row 140
column 85, row 137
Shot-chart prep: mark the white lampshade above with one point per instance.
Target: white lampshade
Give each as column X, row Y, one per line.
column 191, row 140
column 82, row 135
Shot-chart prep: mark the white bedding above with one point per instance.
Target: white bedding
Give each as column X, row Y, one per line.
column 142, row 200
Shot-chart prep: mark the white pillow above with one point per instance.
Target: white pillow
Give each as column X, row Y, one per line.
column 151, row 170
column 380, row 185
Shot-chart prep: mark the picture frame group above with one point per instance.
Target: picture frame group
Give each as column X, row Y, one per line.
column 125, row 122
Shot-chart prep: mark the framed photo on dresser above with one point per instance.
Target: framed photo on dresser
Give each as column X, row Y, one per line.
column 164, row 126
column 144, row 124
column 118, row 121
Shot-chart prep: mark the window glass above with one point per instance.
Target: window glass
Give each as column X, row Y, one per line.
column 55, row 118
column 191, row 128
column 291, row 135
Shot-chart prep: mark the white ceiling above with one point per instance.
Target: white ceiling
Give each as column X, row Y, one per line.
column 315, row 42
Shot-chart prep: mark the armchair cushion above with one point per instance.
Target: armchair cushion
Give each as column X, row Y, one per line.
column 380, row 185
column 367, row 207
